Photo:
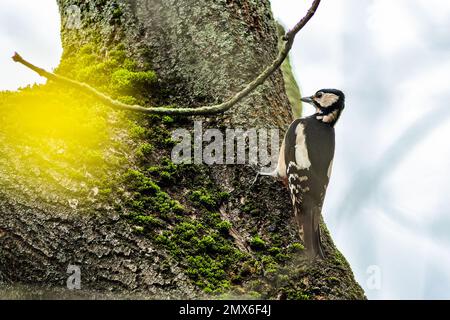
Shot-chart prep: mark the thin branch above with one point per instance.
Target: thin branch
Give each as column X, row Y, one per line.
column 205, row 110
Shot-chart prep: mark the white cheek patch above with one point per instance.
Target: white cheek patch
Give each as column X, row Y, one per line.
column 327, row 100
column 301, row 151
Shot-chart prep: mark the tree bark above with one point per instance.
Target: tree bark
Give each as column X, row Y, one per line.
column 203, row 52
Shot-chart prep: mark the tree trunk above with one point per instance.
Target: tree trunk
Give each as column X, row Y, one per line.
column 203, row 52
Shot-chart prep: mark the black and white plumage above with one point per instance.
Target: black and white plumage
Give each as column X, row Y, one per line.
column 305, row 163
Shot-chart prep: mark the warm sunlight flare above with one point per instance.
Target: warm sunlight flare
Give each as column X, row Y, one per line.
column 62, row 144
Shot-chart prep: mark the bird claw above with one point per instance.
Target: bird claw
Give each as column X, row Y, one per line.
column 254, row 180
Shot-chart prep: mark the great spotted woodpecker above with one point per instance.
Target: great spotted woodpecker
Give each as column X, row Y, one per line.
column 305, row 163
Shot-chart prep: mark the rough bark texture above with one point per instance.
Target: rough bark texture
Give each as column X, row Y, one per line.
column 203, row 52
column 46, row 240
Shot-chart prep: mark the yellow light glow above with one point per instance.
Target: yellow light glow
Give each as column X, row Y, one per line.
column 59, row 144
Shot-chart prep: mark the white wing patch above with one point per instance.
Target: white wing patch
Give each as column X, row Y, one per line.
column 281, row 168
column 330, row 168
column 301, row 151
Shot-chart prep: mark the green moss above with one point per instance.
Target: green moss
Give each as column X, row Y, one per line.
column 144, row 150
column 167, row 119
column 119, row 55
column 257, row 243
column 117, row 13
column 87, row 50
column 211, row 258
column 207, row 254
column 147, row 221
column 137, row 131
column 202, row 197
column 297, row 295
column 296, row 247
column 248, row 268
column 222, row 195
column 224, row 227
column 333, row 280
column 274, row 251
column 165, row 173
column 105, row 192
column 339, row 259
column 128, row 100
column 139, row 229
column 130, row 82
column 255, row 295
column 161, row 137
column 186, row 230
column 162, row 239
column 208, row 244
column 139, row 182
column 209, row 272
column 148, row 197
column 281, row 257
column 111, row 71
column 207, row 199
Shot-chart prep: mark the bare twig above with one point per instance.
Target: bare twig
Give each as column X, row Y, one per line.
column 205, row 110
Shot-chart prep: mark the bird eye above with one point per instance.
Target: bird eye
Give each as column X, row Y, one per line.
column 319, row 95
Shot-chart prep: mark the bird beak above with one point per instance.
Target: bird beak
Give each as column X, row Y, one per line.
column 308, row 100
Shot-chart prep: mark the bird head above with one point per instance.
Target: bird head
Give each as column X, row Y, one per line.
column 329, row 104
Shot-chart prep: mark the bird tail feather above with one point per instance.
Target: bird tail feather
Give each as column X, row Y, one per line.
column 310, row 225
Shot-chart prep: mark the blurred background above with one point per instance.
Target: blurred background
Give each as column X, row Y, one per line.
column 387, row 205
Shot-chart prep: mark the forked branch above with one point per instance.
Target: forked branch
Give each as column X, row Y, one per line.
column 205, row 110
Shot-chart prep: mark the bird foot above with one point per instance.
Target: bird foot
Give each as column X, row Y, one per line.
column 256, row 179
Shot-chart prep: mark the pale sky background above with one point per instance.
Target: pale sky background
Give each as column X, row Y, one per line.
column 32, row 29
column 387, row 204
